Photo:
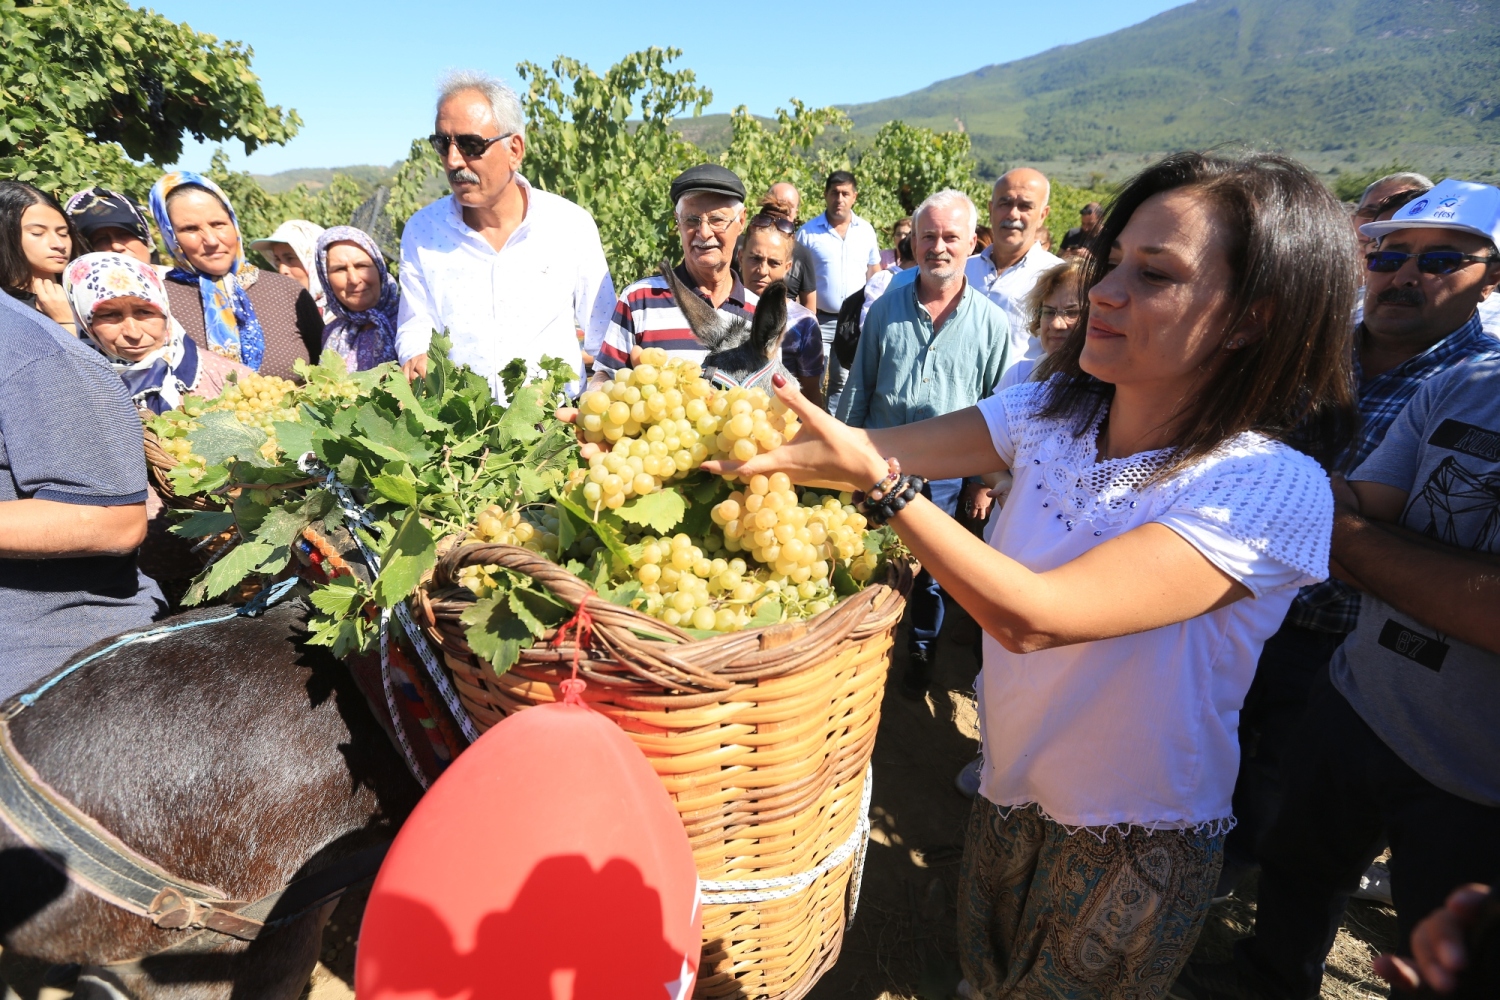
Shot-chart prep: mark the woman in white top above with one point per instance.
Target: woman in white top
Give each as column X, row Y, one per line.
column 1156, row 532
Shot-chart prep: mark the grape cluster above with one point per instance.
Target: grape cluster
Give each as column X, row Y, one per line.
column 535, row 528
column 661, row 419
column 255, row 400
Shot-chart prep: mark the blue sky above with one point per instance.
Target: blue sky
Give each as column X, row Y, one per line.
column 361, row 75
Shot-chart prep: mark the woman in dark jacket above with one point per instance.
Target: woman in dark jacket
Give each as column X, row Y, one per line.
column 258, row 318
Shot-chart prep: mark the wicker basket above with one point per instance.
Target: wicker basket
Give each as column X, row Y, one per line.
column 158, row 464
column 762, row 738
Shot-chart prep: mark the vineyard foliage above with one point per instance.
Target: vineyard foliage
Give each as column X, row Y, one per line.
column 97, row 92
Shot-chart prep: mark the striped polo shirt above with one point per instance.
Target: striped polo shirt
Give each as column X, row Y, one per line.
column 647, row 316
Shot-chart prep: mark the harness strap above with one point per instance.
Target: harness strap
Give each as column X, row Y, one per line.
column 102, row 864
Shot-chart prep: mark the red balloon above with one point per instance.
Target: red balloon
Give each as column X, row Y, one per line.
column 547, row 863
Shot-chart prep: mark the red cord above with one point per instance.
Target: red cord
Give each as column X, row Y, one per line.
column 582, row 627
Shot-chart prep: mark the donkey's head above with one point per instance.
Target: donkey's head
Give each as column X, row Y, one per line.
column 740, row 352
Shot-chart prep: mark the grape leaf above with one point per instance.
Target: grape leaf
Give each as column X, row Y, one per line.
column 521, row 417
column 493, row 634
column 843, row 583
column 412, row 552
column 220, row 436
column 661, row 511
column 397, row 385
column 203, row 523
column 396, row 489
column 239, row 563
column 340, row 597
column 601, row 527
column 294, row 437
column 768, row 613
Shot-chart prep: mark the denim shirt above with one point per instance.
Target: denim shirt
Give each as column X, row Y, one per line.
column 905, row 371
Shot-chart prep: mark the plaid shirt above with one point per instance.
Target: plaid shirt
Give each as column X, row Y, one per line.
column 1333, row 606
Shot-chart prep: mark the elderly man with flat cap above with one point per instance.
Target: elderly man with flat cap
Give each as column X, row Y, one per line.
column 709, row 205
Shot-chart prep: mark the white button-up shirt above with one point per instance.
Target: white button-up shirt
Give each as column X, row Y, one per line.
column 1009, row 290
column 525, row 300
column 842, row 262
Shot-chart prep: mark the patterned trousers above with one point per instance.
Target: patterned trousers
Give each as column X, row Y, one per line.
column 1043, row 913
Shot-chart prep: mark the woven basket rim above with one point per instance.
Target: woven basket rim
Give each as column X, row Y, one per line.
column 617, row 654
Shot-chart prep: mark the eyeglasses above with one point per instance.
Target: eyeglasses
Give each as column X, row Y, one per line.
column 1070, row 314
column 1431, row 262
column 470, row 146
column 717, row 223
column 764, row 221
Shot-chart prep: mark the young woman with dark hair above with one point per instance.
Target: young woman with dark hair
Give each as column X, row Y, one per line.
column 36, row 243
column 1158, row 527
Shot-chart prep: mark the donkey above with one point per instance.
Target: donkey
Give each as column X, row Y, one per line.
column 739, row 352
column 230, row 755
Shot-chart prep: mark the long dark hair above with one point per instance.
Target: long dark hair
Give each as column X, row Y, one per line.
column 15, row 198
column 1292, row 255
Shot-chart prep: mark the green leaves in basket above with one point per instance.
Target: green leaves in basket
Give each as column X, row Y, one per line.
column 412, row 552
column 203, row 523
column 494, row 633
column 660, row 511
column 220, row 437
column 843, row 584
column 768, row 613
column 396, row 489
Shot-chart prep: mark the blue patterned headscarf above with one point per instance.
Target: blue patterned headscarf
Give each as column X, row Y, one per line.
column 367, row 338
column 228, row 317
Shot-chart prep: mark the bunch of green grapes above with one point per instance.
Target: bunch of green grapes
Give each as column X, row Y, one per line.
column 259, row 401
column 799, row 539
column 661, row 419
column 535, row 528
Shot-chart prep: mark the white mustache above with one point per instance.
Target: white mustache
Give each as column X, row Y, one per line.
column 1011, row 224
column 464, row 175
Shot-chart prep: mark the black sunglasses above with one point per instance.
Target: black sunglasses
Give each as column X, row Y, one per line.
column 1431, row 262
column 471, row 146
column 764, row 221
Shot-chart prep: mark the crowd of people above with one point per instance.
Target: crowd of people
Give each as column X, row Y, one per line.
column 1220, row 483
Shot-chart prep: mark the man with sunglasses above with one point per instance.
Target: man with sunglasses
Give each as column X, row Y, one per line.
column 507, row 270
column 1368, row 758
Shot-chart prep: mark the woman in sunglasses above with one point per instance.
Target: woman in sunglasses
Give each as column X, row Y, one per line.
column 1158, row 528
column 262, row 319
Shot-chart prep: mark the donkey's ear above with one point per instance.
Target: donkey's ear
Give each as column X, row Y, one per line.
column 706, row 322
column 769, row 323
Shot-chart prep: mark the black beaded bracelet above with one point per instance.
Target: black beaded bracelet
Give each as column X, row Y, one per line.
column 893, row 501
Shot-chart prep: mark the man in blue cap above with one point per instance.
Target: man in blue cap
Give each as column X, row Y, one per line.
column 709, row 206
column 1398, row 743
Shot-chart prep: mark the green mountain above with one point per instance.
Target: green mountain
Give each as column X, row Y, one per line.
column 319, row 177
column 1357, row 81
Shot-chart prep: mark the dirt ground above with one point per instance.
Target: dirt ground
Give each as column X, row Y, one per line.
column 901, row 945
column 902, row 942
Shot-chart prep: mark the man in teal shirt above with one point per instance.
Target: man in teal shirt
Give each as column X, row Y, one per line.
column 928, row 347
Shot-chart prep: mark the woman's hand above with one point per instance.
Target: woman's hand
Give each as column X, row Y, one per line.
column 52, row 301
column 569, row 415
column 825, row 452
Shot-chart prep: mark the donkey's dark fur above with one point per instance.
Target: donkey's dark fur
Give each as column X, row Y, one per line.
column 737, row 348
column 230, row 755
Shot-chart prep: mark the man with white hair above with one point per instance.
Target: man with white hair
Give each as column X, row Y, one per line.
column 709, row 204
column 1007, row 270
column 506, row 270
column 928, row 347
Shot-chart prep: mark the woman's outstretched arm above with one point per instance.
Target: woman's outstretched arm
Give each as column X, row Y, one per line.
column 1144, row 579
column 832, row 454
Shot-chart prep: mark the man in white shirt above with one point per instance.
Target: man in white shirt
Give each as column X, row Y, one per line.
column 846, row 252
column 507, row 270
column 1006, row 271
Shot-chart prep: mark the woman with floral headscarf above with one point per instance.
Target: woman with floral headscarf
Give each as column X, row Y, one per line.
column 363, row 296
column 120, row 306
column 264, row 320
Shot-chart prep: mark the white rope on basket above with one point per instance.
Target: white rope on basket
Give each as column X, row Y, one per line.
column 763, row 890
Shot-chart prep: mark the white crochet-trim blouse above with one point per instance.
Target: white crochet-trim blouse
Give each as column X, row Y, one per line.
column 1140, row 730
